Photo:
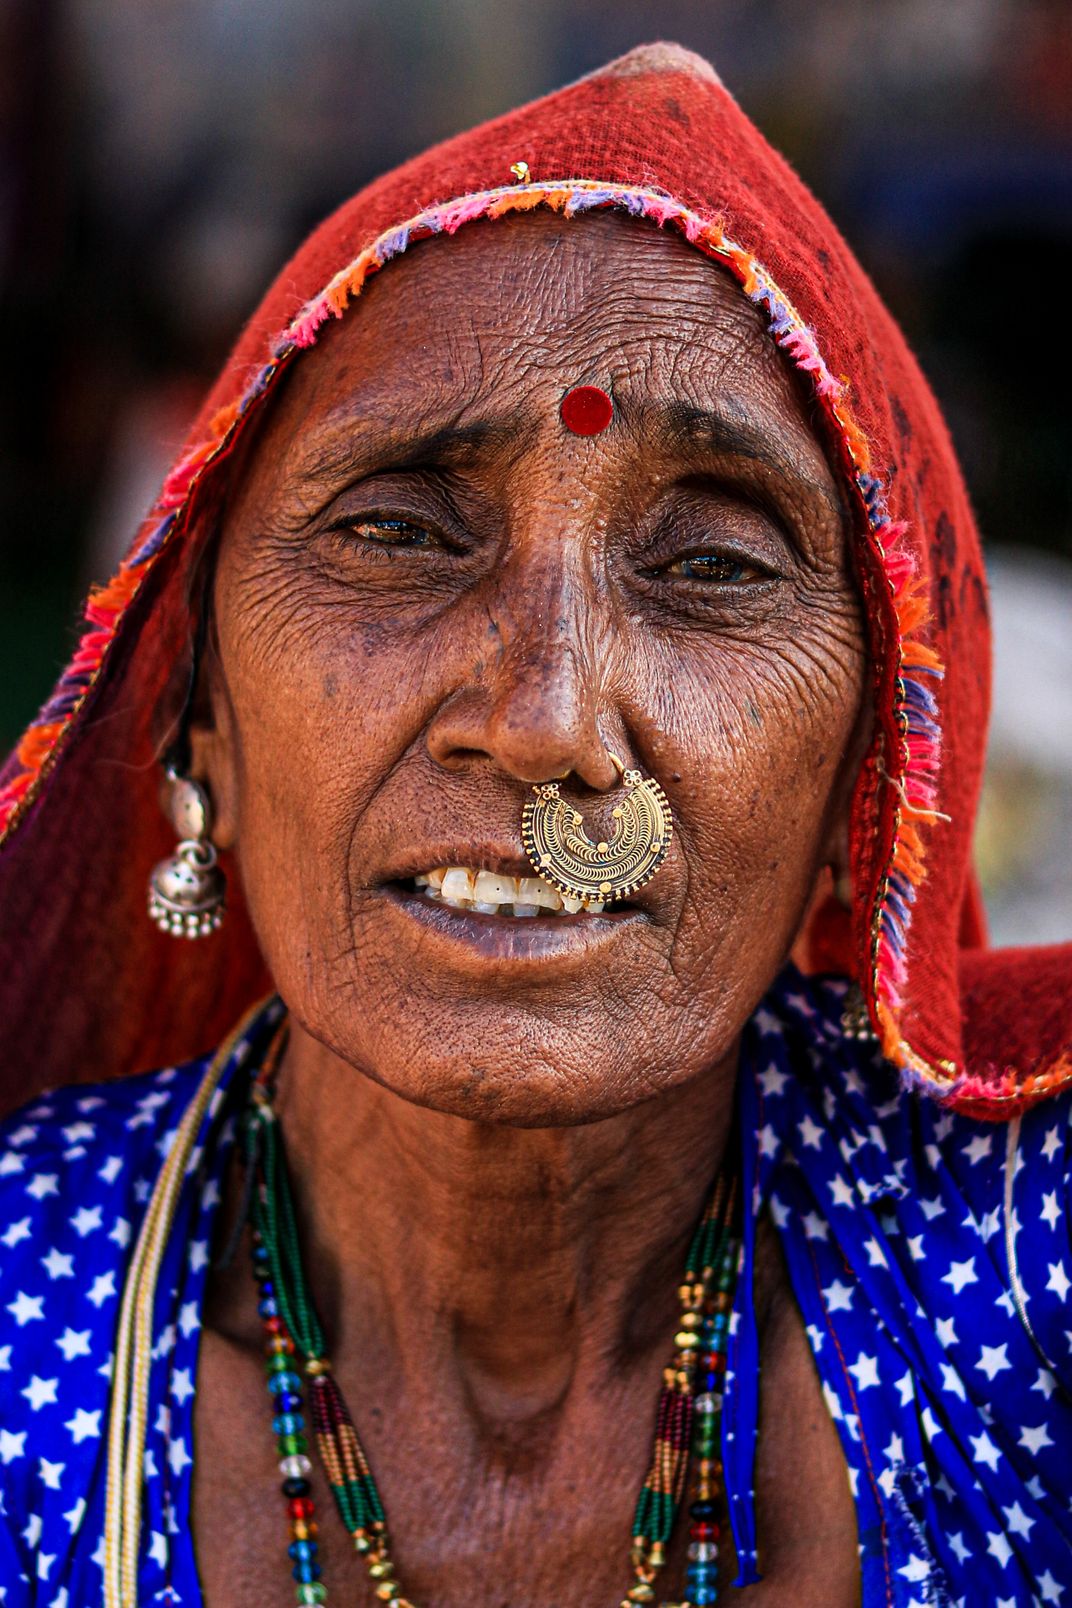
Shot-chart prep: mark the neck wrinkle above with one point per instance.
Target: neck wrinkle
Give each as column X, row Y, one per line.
column 501, row 1265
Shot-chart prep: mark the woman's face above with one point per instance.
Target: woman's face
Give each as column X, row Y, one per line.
column 431, row 595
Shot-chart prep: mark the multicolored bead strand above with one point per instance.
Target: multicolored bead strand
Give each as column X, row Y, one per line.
column 346, row 1466
column 288, row 1424
column 688, row 1420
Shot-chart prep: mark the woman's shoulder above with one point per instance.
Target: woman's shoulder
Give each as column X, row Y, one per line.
column 77, row 1167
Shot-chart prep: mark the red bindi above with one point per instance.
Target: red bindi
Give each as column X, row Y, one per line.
column 586, row 410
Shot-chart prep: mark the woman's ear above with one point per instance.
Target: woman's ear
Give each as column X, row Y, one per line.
column 213, row 740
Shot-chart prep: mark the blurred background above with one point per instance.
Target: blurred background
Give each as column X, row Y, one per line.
column 160, row 158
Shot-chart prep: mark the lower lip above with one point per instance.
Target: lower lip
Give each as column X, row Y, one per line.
column 513, row 938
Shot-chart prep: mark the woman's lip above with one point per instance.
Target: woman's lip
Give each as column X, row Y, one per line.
column 525, row 939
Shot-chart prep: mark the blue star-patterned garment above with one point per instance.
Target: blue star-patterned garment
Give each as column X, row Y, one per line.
column 930, row 1255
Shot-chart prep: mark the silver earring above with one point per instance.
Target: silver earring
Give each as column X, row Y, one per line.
column 188, row 891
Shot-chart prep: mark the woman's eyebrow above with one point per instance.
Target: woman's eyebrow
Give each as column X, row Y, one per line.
column 728, row 430
column 367, row 443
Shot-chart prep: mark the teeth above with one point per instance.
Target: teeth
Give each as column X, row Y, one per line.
column 492, row 894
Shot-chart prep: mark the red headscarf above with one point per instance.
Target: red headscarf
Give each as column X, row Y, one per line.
column 89, row 988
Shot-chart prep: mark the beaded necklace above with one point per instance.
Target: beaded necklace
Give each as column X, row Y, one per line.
column 688, row 1417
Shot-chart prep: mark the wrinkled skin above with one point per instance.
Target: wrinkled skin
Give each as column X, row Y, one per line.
column 430, row 595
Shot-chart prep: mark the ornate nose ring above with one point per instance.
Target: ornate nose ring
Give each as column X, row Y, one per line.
column 561, row 852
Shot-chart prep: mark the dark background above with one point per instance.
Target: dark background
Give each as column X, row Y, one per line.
column 158, row 160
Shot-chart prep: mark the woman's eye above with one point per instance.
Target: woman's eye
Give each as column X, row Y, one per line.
column 715, row 567
column 391, row 533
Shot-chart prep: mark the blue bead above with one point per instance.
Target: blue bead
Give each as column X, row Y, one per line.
column 283, row 1382
column 288, row 1401
column 703, row 1595
column 260, row 1253
column 306, row 1572
column 267, row 1309
column 288, row 1424
column 303, row 1551
column 267, row 1289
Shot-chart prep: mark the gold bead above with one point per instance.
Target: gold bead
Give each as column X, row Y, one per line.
column 691, row 1320
column 382, row 1569
column 684, row 1294
column 362, row 1544
column 317, row 1365
column 640, row 1593
column 387, row 1590
column 684, row 1341
column 657, row 1555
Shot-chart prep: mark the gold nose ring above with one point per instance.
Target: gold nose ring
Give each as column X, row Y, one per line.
column 561, row 852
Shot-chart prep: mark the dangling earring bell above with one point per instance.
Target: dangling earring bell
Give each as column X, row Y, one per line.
column 188, row 891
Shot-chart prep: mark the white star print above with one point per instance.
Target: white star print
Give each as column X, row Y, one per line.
column 111, row 1169
column 158, row 1549
column 74, row 1516
column 10, row 1163
column 894, row 1452
column 768, row 1142
column 865, row 1371
column 182, row 1389
column 876, row 1256
column 989, row 1224
column 814, row 1227
column 906, row 1389
column 838, row 1296
column 78, row 1131
column 74, row 1343
column 1052, row 1144
column 15, row 1232
column 84, row 1425
column 810, row 1133
column 1045, row 1382
column 51, row 1473
column 960, row 1274
column 932, row 1209
column 12, row 1446
column 773, row 1081
column 951, row 1381
column 915, row 1248
column 1017, row 1521
column 42, row 1184
column 102, row 1287
column 1051, row 1590
column 1058, row 1280
column 178, row 1457
column 45, row 1560
column 947, row 1335
column 1051, row 1212
column 960, row 1551
column 979, row 1147
column 994, row 1359
column 931, row 1426
column 85, row 1220
column 198, row 1256
column 39, row 1391
column 119, row 1234
column 58, row 1266
column 841, row 1191
column 188, row 1319
column 915, row 1569
column 999, row 1547
column 1036, row 1439
column 984, row 1451
column 25, row 1308
column 833, row 1406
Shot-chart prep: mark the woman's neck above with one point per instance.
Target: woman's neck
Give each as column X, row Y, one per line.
column 508, row 1262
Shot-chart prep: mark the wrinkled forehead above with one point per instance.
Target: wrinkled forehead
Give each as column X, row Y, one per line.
column 485, row 332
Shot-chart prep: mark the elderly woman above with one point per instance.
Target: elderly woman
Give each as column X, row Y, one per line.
column 564, row 643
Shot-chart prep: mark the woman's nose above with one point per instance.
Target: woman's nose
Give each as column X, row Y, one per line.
column 535, row 712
